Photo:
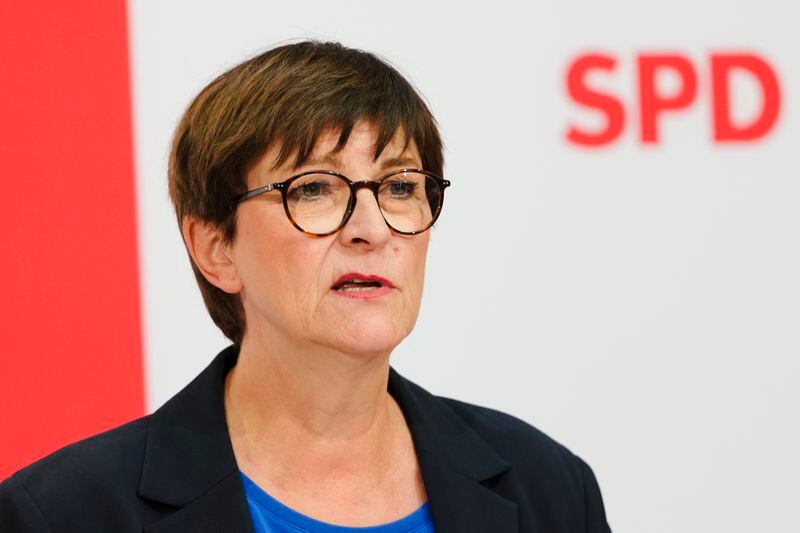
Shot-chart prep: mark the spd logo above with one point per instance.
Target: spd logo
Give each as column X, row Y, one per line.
column 652, row 103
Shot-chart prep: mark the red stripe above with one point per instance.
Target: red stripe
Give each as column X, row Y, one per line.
column 71, row 361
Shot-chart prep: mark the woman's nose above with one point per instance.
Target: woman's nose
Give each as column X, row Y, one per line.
column 366, row 225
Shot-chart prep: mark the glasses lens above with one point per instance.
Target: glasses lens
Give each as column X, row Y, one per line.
column 317, row 202
column 409, row 201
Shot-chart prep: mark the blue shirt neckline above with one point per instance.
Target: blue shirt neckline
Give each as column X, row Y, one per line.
column 258, row 496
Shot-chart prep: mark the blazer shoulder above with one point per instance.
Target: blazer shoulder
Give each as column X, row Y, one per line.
column 548, row 466
column 106, row 453
column 517, row 441
column 99, row 468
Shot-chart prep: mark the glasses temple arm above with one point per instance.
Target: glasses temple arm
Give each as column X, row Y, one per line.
column 255, row 192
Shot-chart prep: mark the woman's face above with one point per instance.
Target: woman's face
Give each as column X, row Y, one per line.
column 288, row 278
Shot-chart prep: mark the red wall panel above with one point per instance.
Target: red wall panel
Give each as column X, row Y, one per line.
column 71, row 361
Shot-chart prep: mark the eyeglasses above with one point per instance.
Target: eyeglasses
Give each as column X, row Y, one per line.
column 320, row 202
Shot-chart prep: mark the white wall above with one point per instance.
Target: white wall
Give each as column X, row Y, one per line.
column 639, row 304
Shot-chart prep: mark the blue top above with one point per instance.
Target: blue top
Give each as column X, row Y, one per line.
column 271, row 516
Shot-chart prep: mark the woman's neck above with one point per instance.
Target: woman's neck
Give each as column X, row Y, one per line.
column 311, row 410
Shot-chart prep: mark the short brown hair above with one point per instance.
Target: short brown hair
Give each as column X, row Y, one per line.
column 286, row 95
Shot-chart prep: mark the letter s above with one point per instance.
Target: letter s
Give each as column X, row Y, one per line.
column 605, row 103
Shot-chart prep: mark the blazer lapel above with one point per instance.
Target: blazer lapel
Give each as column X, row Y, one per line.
column 460, row 504
column 223, row 508
column 189, row 462
column 458, row 467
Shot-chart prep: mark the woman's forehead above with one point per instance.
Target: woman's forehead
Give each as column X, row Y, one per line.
column 361, row 144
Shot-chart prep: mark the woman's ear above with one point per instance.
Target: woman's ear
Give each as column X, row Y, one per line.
column 211, row 254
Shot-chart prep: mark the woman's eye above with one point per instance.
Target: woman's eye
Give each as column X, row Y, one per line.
column 401, row 189
column 309, row 191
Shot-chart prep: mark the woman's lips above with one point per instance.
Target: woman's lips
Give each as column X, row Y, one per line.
column 357, row 285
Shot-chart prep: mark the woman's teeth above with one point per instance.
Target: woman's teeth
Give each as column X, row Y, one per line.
column 358, row 286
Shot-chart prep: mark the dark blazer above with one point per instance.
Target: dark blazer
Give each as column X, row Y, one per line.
column 174, row 470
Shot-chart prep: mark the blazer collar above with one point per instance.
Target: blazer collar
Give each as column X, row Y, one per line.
column 189, row 462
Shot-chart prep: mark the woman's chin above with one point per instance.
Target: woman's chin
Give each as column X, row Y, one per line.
column 370, row 335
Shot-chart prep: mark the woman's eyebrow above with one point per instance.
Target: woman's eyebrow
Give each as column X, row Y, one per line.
column 330, row 159
column 335, row 161
column 399, row 161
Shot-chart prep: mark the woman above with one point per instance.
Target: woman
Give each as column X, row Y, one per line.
column 304, row 182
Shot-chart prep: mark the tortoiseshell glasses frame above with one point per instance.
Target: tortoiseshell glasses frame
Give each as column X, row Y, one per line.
column 434, row 194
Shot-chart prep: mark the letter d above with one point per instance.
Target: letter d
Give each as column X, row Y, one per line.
column 724, row 129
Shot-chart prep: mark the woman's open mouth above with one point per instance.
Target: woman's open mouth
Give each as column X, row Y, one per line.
column 356, row 285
